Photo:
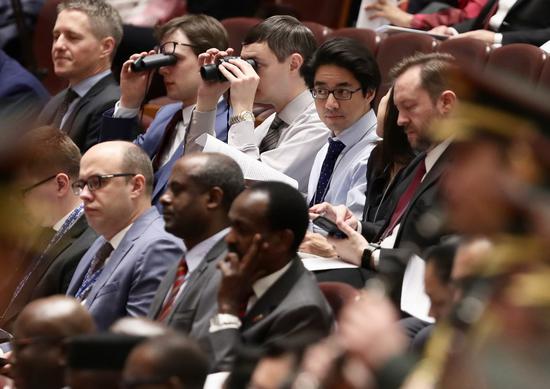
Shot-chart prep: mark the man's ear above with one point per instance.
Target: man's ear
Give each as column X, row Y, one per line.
column 284, row 240
column 63, row 184
column 446, row 101
column 138, row 185
column 107, row 47
column 296, row 61
column 215, row 197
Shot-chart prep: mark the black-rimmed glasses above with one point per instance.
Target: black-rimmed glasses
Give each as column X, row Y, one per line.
column 339, row 93
column 96, row 182
column 169, row 48
column 26, row 190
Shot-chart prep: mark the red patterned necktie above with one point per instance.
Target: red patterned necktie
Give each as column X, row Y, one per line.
column 405, row 199
column 181, row 274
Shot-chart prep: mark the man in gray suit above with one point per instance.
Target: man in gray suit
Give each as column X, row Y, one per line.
column 85, row 37
column 120, row 273
column 200, row 191
column 265, row 293
column 50, row 163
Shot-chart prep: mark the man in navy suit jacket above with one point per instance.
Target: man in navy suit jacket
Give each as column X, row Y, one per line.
column 185, row 37
column 119, row 274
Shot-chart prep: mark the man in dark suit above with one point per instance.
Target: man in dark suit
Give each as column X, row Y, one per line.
column 201, row 189
column 86, row 35
column 505, row 22
column 185, row 37
column 119, row 275
column 50, row 164
column 265, row 292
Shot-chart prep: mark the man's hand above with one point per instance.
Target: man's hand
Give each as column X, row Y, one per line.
column 350, row 249
column 238, row 276
column 395, row 15
column 209, row 92
column 338, row 213
column 444, row 30
column 482, row 35
column 244, row 82
column 133, row 85
column 317, row 244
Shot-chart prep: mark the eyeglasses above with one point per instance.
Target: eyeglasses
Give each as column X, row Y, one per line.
column 339, row 94
column 169, row 48
column 26, row 190
column 96, row 182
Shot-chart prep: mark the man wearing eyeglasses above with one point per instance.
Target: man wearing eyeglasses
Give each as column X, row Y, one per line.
column 184, row 37
column 343, row 77
column 50, row 163
column 119, row 274
column 289, row 139
column 85, row 37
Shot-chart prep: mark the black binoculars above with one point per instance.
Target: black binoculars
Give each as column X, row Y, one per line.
column 212, row 73
column 153, row 61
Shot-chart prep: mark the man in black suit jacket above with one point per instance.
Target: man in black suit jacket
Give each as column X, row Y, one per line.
column 50, row 164
column 527, row 21
column 200, row 191
column 86, row 35
column 265, row 293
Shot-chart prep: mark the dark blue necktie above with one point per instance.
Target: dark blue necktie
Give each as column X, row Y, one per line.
column 335, row 147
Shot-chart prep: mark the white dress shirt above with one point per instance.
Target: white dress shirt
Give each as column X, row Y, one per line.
column 348, row 182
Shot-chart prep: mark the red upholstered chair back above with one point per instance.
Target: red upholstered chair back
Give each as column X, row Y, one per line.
column 467, row 51
column 331, row 13
column 364, row 35
column 320, row 31
column 338, row 294
column 237, row 28
column 520, row 60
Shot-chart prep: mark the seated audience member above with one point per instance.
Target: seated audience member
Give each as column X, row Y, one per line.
column 289, row 139
column 505, row 22
column 265, row 292
column 200, row 192
column 170, row 362
column 185, row 37
column 86, row 35
column 422, row 96
column 343, row 77
column 97, row 360
column 22, row 96
column 38, row 353
column 119, row 274
column 50, row 164
column 463, row 10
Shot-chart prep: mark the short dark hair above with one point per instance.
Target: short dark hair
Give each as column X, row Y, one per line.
column 287, row 209
column 395, row 145
column 48, row 150
column 203, row 31
column 349, row 54
column 135, row 160
column 435, row 69
column 221, row 171
column 176, row 355
column 284, row 35
column 104, row 18
column 443, row 256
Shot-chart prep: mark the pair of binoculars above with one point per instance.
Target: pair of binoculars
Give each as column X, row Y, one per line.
column 208, row 72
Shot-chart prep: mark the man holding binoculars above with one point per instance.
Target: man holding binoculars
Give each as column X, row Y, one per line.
column 181, row 39
column 287, row 140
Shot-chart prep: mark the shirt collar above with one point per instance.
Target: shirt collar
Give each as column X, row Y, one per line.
column 186, row 112
column 366, row 125
column 296, row 106
column 115, row 240
column 434, row 154
column 263, row 284
column 197, row 253
column 85, row 85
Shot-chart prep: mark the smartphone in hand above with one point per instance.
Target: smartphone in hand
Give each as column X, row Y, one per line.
column 329, row 226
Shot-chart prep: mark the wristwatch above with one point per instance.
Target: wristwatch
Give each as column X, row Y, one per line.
column 367, row 256
column 244, row 116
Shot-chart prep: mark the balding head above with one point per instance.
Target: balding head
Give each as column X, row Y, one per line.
column 40, row 331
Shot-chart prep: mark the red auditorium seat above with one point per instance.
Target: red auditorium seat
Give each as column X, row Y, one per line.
column 320, row 31
column 396, row 47
column 237, row 28
column 467, row 51
column 364, row 35
column 338, row 294
column 520, row 60
column 331, row 13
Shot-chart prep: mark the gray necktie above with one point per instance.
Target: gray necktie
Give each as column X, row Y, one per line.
column 70, row 96
column 269, row 142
